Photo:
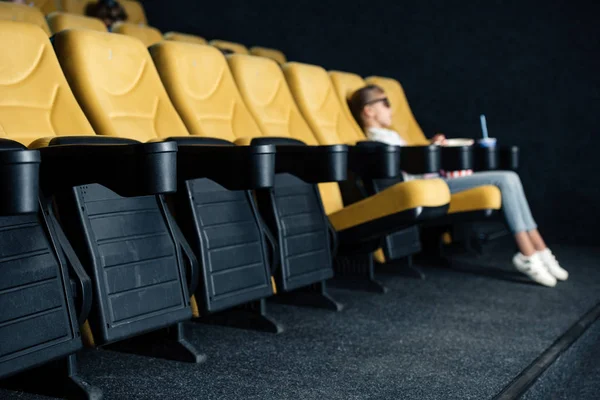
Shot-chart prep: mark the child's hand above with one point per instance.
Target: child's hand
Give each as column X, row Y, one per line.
column 438, row 139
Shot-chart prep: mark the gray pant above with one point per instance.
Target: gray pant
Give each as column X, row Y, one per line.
column 514, row 203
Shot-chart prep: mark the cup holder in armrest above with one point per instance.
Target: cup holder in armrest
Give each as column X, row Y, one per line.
column 234, row 167
column 420, row 159
column 19, row 180
column 486, row 158
column 374, row 160
column 456, row 158
column 313, row 164
column 127, row 167
column 509, row 158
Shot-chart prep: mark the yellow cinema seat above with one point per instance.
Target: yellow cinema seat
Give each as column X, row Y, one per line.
column 236, row 48
column 23, row 13
column 147, row 34
column 184, row 37
column 59, row 21
column 273, row 54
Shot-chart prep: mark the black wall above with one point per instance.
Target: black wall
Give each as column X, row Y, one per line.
column 532, row 68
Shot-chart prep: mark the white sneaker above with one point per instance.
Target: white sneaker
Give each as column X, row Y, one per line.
column 534, row 268
column 552, row 265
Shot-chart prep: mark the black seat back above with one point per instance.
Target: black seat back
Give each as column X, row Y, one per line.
column 133, row 255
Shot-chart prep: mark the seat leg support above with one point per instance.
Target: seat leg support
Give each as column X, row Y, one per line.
column 356, row 272
column 251, row 316
column 314, row 295
column 402, row 267
column 56, row 379
column 168, row 343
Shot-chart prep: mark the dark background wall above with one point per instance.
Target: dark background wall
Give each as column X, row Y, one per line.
column 532, row 67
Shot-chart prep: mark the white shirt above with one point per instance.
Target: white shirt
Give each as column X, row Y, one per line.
column 391, row 137
column 387, row 136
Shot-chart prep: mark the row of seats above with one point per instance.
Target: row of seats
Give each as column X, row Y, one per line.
column 134, row 9
column 164, row 218
column 57, row 21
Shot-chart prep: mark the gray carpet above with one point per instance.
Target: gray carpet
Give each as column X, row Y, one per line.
column 456, row 335
column 575, row 374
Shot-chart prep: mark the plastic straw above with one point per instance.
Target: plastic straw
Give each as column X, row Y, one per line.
column 483, row 126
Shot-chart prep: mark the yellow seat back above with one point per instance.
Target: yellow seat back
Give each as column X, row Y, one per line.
column 237, row 48
column 345, row 84
column 74, row 6
column 273, row 54
column 23, row 13
column 313, row 91
column 202, row 89
column 403, row 120
column 116, row 84
column 135, row 12
column 184, row 37
column 36, row 101
column 267, row 95
column 147, row 34
column 59, row 21
column 46, row 6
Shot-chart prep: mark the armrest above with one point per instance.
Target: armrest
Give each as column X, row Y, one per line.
column 374, row 160
column 312, row 164
column 125, row 166
column 486, row 158
column 493, row 158
column 234, row 167
column 509, row 157
column 19, row 178
column 421, row 159
column 455, row 158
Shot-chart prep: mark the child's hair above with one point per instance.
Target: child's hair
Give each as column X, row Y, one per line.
column 359, row 100
column 106, row 10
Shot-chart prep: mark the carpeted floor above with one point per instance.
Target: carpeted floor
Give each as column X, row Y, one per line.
column 456, row 335
column 575, row 374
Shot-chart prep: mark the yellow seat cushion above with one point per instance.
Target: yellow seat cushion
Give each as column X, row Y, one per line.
column 203, row 91
column 400, row 197
column 237, row 48
column 273, row 54
column 486, row 197
column 184, row 37
column 59, row 21
column 115, row 81
column 23, row 13
column 45, row 6
column 36, row 101
column 147, row 34
column 135, row 12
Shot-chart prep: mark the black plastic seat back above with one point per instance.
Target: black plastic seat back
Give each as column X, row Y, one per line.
column 293, row 209
column 225, row 232
column 404, row 242
column 37, row 322
column 131, row 253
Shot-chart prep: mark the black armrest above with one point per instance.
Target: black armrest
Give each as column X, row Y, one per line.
column 125, row 166
column 234, row 167
column 312, row 164
column 455, row 158
column 493, row 158
column 374, row 160
column 420, row 159
column 19, row 178
column 509, row 157
column 486, row 158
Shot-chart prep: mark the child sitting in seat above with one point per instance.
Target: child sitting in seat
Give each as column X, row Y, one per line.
column 109, row 11
column 371, row 109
